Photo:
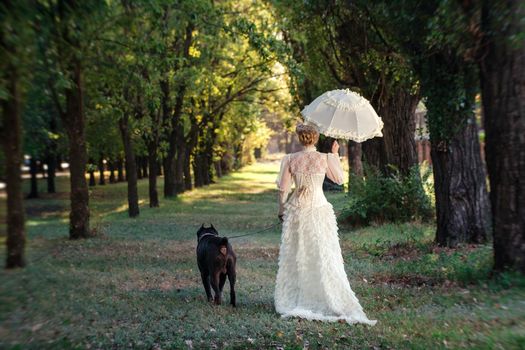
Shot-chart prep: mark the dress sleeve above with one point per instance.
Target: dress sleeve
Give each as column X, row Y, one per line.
column 334, row 170
column 284, row 182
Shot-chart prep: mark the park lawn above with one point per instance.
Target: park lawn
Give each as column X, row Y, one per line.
column 136, row 284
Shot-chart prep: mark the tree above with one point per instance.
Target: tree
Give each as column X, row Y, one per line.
column 499, row 29
column 343, row 40
column 431, row 34
column 13, row 37
column 69, row 21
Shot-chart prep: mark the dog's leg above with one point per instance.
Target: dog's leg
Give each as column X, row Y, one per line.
column 231, row 277
column 206, row 282
column 215, row 286
column 222, row 280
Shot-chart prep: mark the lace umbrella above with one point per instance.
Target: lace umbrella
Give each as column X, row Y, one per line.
column 344, row 114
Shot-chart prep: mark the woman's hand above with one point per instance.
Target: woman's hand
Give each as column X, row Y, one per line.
column 335, row 147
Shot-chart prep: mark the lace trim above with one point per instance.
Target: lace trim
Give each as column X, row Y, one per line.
column 341, row 134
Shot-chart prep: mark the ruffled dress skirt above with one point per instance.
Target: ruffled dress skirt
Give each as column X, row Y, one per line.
column 311, row 281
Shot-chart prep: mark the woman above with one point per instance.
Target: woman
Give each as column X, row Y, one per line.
column 311, row 281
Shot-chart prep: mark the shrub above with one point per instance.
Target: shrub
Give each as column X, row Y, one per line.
column 389, row 198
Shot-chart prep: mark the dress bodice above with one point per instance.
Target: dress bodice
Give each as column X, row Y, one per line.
column 307, row 169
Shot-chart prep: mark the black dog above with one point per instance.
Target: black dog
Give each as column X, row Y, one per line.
column 216, row 260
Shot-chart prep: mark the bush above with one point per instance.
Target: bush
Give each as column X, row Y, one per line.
column 389, row 198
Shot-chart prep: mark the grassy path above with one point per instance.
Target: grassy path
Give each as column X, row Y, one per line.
column 136, row 285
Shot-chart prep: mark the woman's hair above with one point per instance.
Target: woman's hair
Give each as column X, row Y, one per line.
column 308, row 134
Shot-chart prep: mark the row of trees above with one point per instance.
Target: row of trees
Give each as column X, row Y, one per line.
column 184, row 86
column 445, row 52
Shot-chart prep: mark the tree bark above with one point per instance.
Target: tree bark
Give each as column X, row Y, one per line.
column 102, row 178
column 398, row 114
column 131, row 167
column 51, row 172
column 171, row 184
column 462, row 205
column 144, row 165
column 503, row 95
column 198, row 172
column 12, row 143
column 74, row 121
column 354, row 159
column 92, row 181
column 179, row 161
column 120, row 170
column 51, row 159
column 111, row 166
column 138, row 166
column 152, row 160
column 397, row 147
column 33, row 170
column 187, row 172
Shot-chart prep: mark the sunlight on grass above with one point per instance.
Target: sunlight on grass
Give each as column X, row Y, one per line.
column 253, row 179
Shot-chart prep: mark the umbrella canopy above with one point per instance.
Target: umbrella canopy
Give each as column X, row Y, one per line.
column 344, row 114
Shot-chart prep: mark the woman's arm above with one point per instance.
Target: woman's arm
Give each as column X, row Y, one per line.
column 334, row 171
column 284, row 183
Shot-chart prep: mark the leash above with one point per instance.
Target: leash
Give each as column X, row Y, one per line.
column 256, row 232
column 336, row 213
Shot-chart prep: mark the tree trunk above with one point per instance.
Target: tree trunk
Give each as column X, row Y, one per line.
column 131, row 168
column 179, row 162
column 152, row 159
column 198, row 172
column 51, row 159
column 12, row 143
column 59, row 162
column 168, row 162
column 111, row 166
column 102, row 178
column 187, row 171
column 399, row 117
column 33, row 170
column 397, row 147
column 120, row 170
column 138, row 166
column 145, row 166
column 74, row 121
column 503, row 95
column 92, row 181
column 462, row 206
column 169, row 183
column 218, row 168
column 51, row 172
column 354, row 159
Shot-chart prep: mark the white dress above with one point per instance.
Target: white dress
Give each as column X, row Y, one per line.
column 311, row 281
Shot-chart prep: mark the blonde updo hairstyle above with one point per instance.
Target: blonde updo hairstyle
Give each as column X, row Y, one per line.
column 308, row 134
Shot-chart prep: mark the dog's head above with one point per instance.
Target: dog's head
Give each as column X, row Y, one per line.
column 206, row 230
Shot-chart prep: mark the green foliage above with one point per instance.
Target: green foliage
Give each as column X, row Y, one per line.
column 392, row 198
column 436, row 38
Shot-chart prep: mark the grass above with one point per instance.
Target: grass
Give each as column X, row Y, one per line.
column 136, row 284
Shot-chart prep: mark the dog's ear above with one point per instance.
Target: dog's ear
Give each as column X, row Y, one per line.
column 213, row 227
column 202, row 226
